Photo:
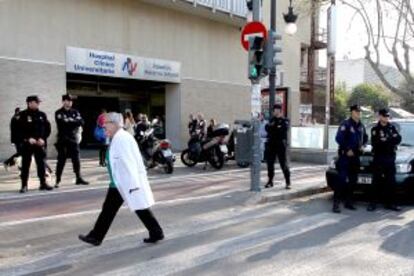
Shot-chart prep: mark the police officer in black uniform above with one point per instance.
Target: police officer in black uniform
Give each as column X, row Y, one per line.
column 276, row 146
column 69, row 122
column 351, row 137
column 34, row 129
column 384, row 140
column 14, row 138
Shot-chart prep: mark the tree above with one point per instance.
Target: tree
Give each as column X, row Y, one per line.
column 374, row 96
column 408, row 98
column 398, row 40
column 341, row 109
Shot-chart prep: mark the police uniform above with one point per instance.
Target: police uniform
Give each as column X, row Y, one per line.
column 351, row 136
column 384, row 140
column 33, row 124
column 276, row 146
column 69, row 122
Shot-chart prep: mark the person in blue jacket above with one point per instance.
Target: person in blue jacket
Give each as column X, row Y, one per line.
column 351, row 137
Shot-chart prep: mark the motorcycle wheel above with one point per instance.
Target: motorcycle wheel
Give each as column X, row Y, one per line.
column 216, row 159
column 169, row 167
column 185, row 158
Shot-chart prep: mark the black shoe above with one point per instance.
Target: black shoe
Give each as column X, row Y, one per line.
column 23, row 190
column 153, row 239
column 45, row 187
column 90, row 240
column 349, row 206
column 393, row 208
column 81, row 181
column 372, row 207
column 288, row 186
column 57, row 183
column 269, row 185
column 336, row 208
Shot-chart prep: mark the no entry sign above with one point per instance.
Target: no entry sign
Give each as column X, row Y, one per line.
column 252, row 29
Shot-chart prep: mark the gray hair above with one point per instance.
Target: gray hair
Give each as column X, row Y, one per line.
column 115, row 118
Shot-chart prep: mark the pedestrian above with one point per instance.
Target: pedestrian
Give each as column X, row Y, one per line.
column 129, row 122
column 68, row 122
column 201, row 126
column 34, row 129
column 192, row 125
column 142, row 126
column 128, row 183
column 210, row 128
column 351, row 137
column 14, row 139
column 384, row 140
column 276, row 146
column 100, row 137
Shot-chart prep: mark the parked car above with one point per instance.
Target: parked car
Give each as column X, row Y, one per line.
column 404, row 160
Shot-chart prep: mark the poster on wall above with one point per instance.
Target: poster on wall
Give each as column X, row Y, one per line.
column 280, row 98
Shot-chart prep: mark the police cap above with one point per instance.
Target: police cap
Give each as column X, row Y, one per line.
column 67, row 97
column 355, row 107
column 33, row 98
column 384, row 112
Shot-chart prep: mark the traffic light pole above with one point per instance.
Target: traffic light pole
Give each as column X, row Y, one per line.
column 256, row 96
column 272, row 73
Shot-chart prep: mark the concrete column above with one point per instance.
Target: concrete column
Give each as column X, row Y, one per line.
column 173, row 114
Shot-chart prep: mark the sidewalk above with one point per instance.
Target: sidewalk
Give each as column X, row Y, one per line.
column 307, row 179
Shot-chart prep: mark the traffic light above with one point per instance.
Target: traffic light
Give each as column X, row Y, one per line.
column 272, row 49
column 256, row 57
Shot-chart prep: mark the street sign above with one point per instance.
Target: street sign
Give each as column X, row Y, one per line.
column 252, row 29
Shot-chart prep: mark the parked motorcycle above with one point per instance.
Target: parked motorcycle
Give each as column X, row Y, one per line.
column 211, row 151
column 156, row 152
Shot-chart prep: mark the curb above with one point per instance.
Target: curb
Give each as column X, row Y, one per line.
column 263, row 198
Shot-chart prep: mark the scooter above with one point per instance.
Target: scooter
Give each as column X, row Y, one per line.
column 156, row 152
column 211, row 151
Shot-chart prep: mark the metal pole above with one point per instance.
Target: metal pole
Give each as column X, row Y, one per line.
column 272, row 73
column 256, row 90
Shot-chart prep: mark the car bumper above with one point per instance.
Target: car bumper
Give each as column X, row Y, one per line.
column 401, row 179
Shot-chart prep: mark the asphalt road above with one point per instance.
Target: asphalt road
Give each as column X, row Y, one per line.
column 210, row 230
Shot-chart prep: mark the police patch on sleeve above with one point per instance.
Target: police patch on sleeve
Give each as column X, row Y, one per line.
column 343, row 128
column 374, row 133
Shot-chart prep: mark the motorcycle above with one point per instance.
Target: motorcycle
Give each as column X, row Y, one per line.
column 156, row 152
column 211, row 151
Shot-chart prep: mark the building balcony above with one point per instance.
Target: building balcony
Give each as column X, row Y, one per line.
column 319, row 77
column 231, row 12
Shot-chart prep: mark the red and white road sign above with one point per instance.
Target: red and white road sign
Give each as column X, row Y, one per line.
column 254, row 28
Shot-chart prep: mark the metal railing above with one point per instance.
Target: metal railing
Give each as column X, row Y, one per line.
column 232, row 7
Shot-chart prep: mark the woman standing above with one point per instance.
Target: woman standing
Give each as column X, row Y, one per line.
column 210, row 128
column 129, row 183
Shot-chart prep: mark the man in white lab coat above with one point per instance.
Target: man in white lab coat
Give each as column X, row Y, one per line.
column 129, row 184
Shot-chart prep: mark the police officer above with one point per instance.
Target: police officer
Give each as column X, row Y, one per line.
column 69, row 122
column 276, row 146
column 384, row 140
column 14, row 138
column 351, row 137
column 34, row 129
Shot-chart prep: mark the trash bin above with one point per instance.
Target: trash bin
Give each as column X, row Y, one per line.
column 243, row 141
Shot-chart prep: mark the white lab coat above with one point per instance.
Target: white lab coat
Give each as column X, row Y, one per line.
column 128, row 171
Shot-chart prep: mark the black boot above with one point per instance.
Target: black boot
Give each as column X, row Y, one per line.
column 154, row 239
column 23, row 189
column 392, row 207
column 45, row 187
column 269, row 184
column 336, row 208
column 57, row 182
column 90, row 240
column 81, row 181
column 350, row 206
column 371, row 207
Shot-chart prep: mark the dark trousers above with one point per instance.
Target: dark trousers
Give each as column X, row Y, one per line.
column 102, row 154
column 383, row 184
column 271, row 152
column 347, row 178
column 65, row 150
column 110, row 207
column 40, row 155
column 10, row 161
